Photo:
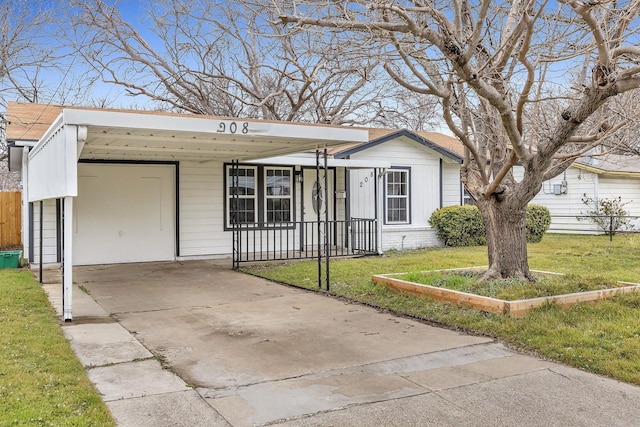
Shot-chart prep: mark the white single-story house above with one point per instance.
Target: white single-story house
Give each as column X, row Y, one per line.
column 115, row 186
column 598, row 178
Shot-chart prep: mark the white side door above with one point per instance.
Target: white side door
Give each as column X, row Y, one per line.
column 124, row 213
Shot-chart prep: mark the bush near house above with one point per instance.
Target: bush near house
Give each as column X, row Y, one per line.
column 463, row 225
column 459, row 226
column 537, row 222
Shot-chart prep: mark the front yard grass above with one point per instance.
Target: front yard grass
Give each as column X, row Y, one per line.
column 602, row 338
column 42, row 383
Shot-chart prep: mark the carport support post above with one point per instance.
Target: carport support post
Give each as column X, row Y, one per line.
column 326, row 219
column 67, row 263
column 379, row 191
column 40, row 262
column 319, row 216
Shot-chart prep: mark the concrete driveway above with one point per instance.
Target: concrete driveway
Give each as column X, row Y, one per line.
column 238, row 350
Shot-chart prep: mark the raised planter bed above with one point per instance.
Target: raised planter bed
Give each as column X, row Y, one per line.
column 517, row 308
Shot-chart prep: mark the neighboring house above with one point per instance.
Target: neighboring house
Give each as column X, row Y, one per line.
column 113, row 186
column 600, row 177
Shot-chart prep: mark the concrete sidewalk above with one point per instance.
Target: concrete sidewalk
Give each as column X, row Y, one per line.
column 195, row 344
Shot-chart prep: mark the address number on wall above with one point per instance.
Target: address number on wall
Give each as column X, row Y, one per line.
column 233, row 127
column 366, row 179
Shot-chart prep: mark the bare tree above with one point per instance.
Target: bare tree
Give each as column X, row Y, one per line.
column 230, row 59
column 20, row 49
column 20, row 56
column 402, row 108
column 621, row 140
column 24, row 54
column 510, row 78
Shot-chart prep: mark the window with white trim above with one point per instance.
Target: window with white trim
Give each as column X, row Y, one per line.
column 397, row 196
column 278, row 205
column 242, row 197
column 259, row 195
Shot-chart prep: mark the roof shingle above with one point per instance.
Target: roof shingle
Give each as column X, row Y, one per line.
column 28, row 122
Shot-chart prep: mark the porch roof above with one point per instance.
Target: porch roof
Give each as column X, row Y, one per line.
column 300, row 160
column 127, row 135
column 118, row 135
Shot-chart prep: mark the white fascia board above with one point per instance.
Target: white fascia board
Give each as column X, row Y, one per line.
column 53, row 165
column 50, row 132
column 24, row 142
column 306, row 161
column 211, row 125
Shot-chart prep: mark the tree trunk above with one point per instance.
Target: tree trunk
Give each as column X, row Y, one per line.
column 506, row 239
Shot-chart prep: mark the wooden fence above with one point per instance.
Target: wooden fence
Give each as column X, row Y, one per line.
column 10, row 218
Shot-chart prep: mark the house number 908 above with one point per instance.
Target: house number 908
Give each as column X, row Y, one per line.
column 233, row 127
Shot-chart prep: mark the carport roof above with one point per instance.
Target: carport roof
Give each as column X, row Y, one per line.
column 143, row 135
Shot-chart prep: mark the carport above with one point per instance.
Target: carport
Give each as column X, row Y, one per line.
column 133, row 158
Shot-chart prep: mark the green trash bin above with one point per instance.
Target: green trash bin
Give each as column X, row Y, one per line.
column 10, row 259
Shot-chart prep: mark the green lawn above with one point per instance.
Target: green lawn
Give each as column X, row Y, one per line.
column 42, row 383
column 603, row 338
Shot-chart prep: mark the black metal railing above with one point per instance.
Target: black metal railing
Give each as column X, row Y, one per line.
column 304, row 240
column 363, row 234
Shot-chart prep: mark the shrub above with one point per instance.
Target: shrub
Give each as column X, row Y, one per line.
column 463, row 225
column 609, row 214
column 538, row 220
column 459, row 226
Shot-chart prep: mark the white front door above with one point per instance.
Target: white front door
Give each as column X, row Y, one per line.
column 124, row 213
column 315, row 205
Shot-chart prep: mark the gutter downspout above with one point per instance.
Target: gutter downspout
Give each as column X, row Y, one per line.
column 41, row 238
column 26, row 207
column 441, row 185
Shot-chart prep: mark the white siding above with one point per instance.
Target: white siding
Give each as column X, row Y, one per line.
column 49, row 234
column 424, row 191
column 202, row 219
column 53, row 165
column 451, row 186
column 566, row 207
column 628, row 189
column 409, row 237
column 202, row 210
column 362, row 203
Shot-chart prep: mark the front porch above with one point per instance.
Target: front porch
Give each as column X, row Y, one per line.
column 318, row 229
